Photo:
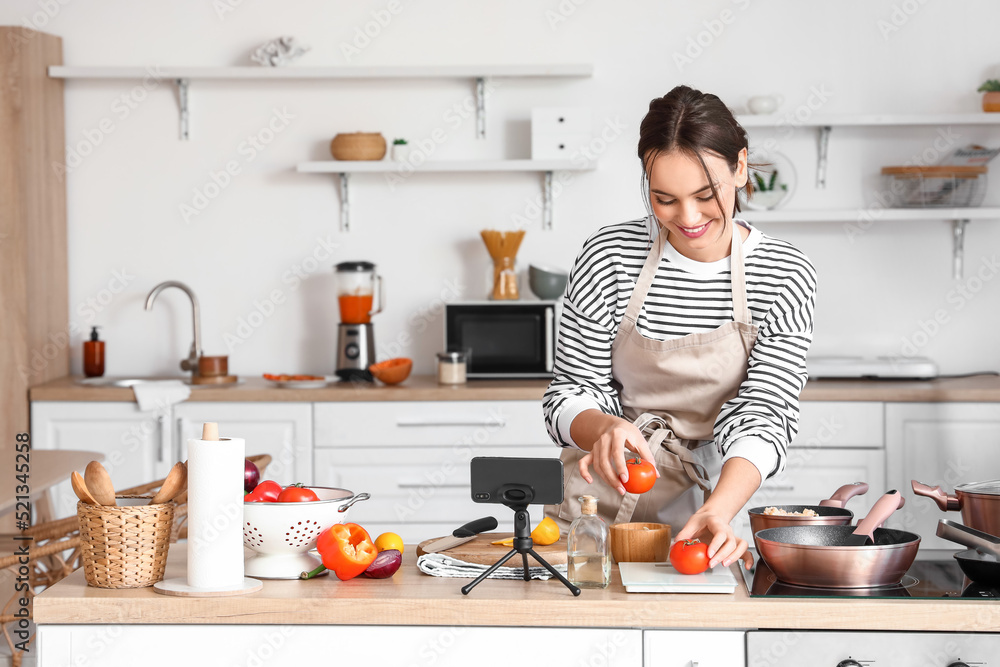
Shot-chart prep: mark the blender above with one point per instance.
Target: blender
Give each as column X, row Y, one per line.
column 357, row 284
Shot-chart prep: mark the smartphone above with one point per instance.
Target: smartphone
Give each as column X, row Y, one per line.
column 511, row 480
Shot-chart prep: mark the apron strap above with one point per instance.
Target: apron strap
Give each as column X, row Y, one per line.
column 737, row 278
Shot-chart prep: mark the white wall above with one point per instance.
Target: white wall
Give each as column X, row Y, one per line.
column 876, row 289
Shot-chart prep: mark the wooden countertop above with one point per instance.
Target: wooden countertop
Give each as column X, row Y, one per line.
column 413, row 598
column 980, row 388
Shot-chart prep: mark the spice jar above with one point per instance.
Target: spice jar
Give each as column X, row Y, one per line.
column 451, row 367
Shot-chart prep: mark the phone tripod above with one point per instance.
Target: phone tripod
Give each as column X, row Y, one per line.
column 522, row 545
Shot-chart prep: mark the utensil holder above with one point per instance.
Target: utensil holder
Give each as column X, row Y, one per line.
column 124, row 546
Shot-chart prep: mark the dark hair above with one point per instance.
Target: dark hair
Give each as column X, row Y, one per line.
column 694, row 122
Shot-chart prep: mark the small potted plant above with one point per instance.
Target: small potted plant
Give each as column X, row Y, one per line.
column 991, row 95
column 768, row 193
column 400, row 150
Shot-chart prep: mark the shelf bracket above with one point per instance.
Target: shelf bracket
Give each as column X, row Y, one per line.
column 547, row 201
column 345, row 202
column 182, row 101
column 823, row 156
column 958, row 247
column 481, row 107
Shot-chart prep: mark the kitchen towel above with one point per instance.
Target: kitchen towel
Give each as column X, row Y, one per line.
column 440, row 565
column 215, row 513
column 160, row 394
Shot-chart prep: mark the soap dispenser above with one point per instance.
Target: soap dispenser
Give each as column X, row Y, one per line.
column 93, row 355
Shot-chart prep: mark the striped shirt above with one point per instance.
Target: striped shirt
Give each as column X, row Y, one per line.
column 687, row 297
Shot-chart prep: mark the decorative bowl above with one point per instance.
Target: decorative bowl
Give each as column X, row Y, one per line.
column 282, row 534
column 358, row 146
column 392, row 371
column 546, row 282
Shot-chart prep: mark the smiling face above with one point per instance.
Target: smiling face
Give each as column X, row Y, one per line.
column 681, row 197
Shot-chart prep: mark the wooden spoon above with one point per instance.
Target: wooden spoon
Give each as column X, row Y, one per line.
column 175, row 482
column 80, row 487
column 99, row 483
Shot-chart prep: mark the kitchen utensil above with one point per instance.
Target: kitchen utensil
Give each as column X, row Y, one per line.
column 981, row 568
column 282, row 534
column 663, row 578
column 545, row 282
column 124, row 546
column 824, row 557
column 480, row 550
column 358, row 146
column 978, row 501
column 969, row 537
column 829, row 512
column 175, row 482
column 461, row 535
column 640, row 542
column 99, row 483
column 503, row 247
column 916, row 186
column 359, row 296
column 81, row 490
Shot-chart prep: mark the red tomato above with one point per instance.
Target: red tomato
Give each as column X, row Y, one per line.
column 296, row 493
column 641, row 475
column 265, row 492
column 689, row 556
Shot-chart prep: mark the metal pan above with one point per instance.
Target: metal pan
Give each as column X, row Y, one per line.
column 822, row 556
column 982, row 568
column 830, row 512
column 978, row 501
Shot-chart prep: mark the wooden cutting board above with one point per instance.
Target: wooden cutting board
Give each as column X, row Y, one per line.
column 479, row 550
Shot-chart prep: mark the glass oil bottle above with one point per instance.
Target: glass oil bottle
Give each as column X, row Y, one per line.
column 588, row 548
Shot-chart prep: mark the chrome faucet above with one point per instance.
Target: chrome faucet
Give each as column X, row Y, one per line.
column 191, row 363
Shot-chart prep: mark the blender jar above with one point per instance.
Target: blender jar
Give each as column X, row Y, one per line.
column 357, row 284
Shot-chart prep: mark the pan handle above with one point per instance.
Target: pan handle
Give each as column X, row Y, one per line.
column 969, row 537
column 845, row 493
column 882, row 510
column 945, row 501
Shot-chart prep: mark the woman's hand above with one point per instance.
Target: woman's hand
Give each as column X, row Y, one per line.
column 610, row 437
column 714, row 530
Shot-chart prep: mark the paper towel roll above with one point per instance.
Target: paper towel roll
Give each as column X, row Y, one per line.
column 215, row 513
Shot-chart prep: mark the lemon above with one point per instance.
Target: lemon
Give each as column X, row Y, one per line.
column 389, row 541
column 544, row 534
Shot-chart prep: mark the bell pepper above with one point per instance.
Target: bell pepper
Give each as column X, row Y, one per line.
column 346, row 550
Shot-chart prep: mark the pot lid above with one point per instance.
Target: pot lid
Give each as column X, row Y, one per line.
column 345, row 267
column 990, row 488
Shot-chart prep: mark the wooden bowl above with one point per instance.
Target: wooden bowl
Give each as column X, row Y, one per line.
column 391, row 371
column 640, row 542
column 358, row 146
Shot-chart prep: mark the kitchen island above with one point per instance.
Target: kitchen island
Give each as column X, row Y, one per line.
column 415, row 610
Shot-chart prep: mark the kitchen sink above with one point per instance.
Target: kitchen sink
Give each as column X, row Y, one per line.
column 130, row 381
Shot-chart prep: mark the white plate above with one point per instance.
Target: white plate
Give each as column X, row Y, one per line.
column 303, row 384
column 773, row 161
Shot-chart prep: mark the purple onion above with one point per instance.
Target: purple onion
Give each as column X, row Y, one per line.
column 385, row 564
column 251, row 476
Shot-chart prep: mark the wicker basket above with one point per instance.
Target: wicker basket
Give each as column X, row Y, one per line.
column 125, row 547
column 358, row 146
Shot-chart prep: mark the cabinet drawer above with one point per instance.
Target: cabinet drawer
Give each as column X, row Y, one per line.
column 442, row 423
column 684, row 648
column 429, row 485
column 840, row 424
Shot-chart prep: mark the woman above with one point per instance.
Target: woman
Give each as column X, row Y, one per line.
column 677, row 327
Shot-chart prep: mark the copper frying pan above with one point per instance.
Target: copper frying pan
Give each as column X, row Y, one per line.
column 822, row 556
column 830, row 512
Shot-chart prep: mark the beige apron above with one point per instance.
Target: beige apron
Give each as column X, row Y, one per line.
column 672, row 391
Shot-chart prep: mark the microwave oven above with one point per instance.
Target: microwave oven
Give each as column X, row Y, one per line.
column 504, row 339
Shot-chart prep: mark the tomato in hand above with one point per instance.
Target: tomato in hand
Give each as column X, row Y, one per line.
column 296, row 493
column 641, row 475
column 265, row 492
column 689, row 556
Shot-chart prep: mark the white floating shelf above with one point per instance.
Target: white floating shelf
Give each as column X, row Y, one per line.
column 182, row 76
column 834, row 120
column 344, row 169
column 872, row 213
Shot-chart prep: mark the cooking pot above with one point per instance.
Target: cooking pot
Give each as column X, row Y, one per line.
column 978, row 501
column 824, row 556
column 829, row 512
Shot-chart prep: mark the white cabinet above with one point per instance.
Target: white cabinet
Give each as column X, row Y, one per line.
column 136, row 444
column 413, row 458
column 944, row 444
column 854, row 425
column 694, row 648
column 283, row 430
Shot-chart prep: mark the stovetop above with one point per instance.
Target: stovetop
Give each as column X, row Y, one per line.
column 926, row 579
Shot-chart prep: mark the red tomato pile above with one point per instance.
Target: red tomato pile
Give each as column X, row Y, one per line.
column 270, row 491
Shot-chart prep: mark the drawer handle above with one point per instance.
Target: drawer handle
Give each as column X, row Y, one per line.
column 496, row 423
column 421, row 485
